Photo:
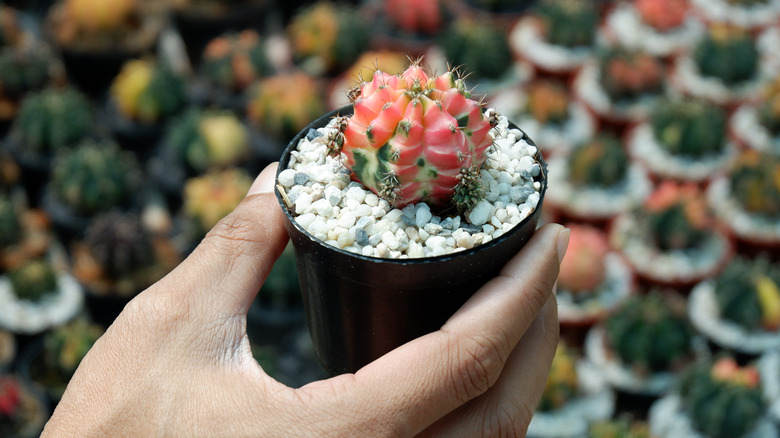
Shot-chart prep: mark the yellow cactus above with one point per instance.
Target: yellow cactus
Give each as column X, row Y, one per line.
column 94, row 16
column 315, row 33
column 128, row 86
column 769, row 299
column 211, row 197
column 226, row 137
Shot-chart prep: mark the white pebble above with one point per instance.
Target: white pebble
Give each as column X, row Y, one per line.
column 422, row 216
column 356, row 193
column 287, row 177
column 481, row 212
column 388, row 238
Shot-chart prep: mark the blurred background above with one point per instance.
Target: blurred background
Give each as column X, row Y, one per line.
column 130, row 127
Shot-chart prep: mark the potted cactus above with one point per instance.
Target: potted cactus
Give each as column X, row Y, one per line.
column 714, row 400
column 756, row 125
column 621, row 427
column 684, row 140
column 575, row 395
column 23, row 411
column 750, row 14
column 24, row 232
column 144, row 95
column 557, row 37
column 23, row 69
column 643, row 344
column 38, row 295
column 739, row 310
column 327, row 37
column 663, row 28
column 546, row 111
column 414, row 196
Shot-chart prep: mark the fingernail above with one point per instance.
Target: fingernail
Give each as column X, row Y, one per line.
column 264, row 183
column 563, row 243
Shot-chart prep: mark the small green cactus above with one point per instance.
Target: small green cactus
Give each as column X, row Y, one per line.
column 769, row 107
column 120, row 245
column 548, row 102
column 10, row 225
column 747, row 294
column 66, row 346
column 677, row 217
column 755, row 183
column 480, row 46
column 233, row 61
column 331, row 34
column 51, row 119
column 569, row 23
column 628, row 75
column 562, row 382
column 95, row 177
column 600, row 162
column 650, row 332
column 148, row 91
column 23, row 69
column 727, row 53
column 723, row 400
column 33, row 280
column 689, row 128
column 284, row 104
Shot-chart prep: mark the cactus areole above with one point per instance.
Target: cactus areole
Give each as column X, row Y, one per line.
column 413, row 138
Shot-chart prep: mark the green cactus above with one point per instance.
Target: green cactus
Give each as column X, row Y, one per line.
column 51, row 119
column 119, row 244
column 10, row 225
column 689, row 128
column 747, row 294
column 23, row 69
column 66, row 346
column 769, row 108
column 148, row 91
column 233, row 61
column 628, row 75
column 95, row 177
column 480, row 46
column 548, row 101
column 722, row 400
column 284, row 104
column 201, row 139
column 748, row 3
column 727, row 53
column 755, row 183
column 562, row 382
column 650, row 332
column 330, row 33
column 621, row 427
column 33, row 280
column 569, row 23
column 673, row 230
column 601, row 162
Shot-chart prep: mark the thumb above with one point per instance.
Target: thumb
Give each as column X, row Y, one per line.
column 225, row 272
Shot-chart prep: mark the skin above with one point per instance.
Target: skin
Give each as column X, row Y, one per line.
column 177, row 360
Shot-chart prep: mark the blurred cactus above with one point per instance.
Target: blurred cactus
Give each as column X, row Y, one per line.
column 148, row 91
column 583, row 268
column 769, row 107
column 284, row 104
column 282, row 288
column 662, row 14
column 548, row 102
column 619, row 428
column 629, row 75
column 119, row 244
column 601, row 162
column 677, row 216
column 10, row 405
column 562, row 382
column 650, row 332
column 91, row 19
column 10, row 30
column 479, row 46
column 369, row 62
column 23, row 69
column 723, row 400
column 95, row 177
column 233, row 61
column 748, row 295
column 66, row 346
column 34, row 280
column 203, row 139
column 210, row 197
column 569, row 23
column 755, row 183
column 728, row 53
column 416, row 17
column 51, row 119
column 689, row 128
column 10, row 224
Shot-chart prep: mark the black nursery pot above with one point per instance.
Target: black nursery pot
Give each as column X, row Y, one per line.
column 359, row 308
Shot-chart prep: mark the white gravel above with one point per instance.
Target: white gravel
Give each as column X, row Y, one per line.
column 686, row 79
column 344, row 214
column 752, row 17
column 27, row 317
column 744, row 224
column 527, row 41
column 746, row 127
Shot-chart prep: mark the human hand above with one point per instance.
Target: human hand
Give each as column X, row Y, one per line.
column 177, row 360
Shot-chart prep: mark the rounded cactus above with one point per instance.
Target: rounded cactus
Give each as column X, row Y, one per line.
column 479, row 45
column 663, row 14
column 650, row 332
column 727, row 53
column 10, row 31
column 622, row 427
column 33, row 280
column 755, row 183
column 233, row 61
column 414, row 138
column 748, row 295
column 210, row 197
column 147, row 91
column 51, row 119
column 689, row 128
column 548, row 101
column 601, row 162
column 95, row 177
column 583, row 268
column 562, row 382
column 284, row 104
column 629, row 75
column 769, row 107
column 416, row 17
column 10, row 223
column 66, row 346
column 24, row 69
column 677, row 216
column 568, row 23
column 120, row 245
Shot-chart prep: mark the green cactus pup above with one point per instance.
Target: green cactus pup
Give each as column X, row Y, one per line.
column 689, row 128
column 64, row 348
column 748, row 294
column 34, row 280
column 568, row 23
column 601, row 162
column 728, row 53
column 480, row 45
column 284, row 104
column 232, row 62
column 148, row 91
column 754, row 182
column 10, row 223
column 22, row 70
column 627, row 76
column 621, row 427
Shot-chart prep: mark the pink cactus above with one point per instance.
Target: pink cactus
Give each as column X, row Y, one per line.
column 415, row 16
column 10, row 397
column 413, row 138
column 663, row 14
column 583, row 268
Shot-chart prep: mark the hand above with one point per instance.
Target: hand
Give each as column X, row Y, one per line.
column 177, row 361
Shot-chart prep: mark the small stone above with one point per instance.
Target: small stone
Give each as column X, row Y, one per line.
column 388, row 238
column 495, row 222
column 374, row 239
column 356, row 193
column 433, row 229
column 367, row 251
column 394, row 215
column 287, row 177
column 416, row 250
column 412, row 233
column 372, row 199
column 365, row 221
column 480, row 214
column 487, row 229
column 362, row 210
column 378, row 212
column 446, row 223
column 301, row 178
column 347, row 219
column 323, row 208
column 312, row 134
column 361, row 237
column 435, row 241
column 302, row 203
column 333, row 195
column 305, row 220
column 465, row 240
column 381, row 250
column 422, row 216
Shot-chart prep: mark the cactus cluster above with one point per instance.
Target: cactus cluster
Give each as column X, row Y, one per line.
column 414, row 138
column 233, row 61
column 628, row 75
column 332, row 35
column 748, row 294
column 601, row 162
column 727, row 53
column 662, row 14
column 53, row 118
column 583, row 268
column 10, row 223
column 677, row 216
column 200, row 139
column 147, row 91
column 284, row 104
column 755, row 183
column 650, row 332
column 562, row 382
column 619, row 428
column 23, row 69
column 34, row 280
column 210, row 197
column 723, row 400
column 689, row 128
column 548, row 102
column 769, row 108
column 569, row 23
column 478, row 44
column 66, row 346
column 95, row 177
column 415, row 17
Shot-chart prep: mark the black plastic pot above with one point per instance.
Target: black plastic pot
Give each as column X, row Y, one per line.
column 359, row 308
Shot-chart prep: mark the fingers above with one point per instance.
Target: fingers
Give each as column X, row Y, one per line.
column 226, row 270
column 418, row 383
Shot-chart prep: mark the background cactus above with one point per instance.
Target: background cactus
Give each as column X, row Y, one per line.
column 120, row 245
column 53, row 118
column 600, row 162
column 728, row 53
column 677, row 217
column 480, row 46
column 548, row 101
column 722, row 399
column 33, row 280
column 95, row 177
column 628, row 75
column 10, row 31
column 748, row 295
column 755, row 183
column 769, row 107
column 210, row 197
column 562, row 382
column 650, row 332
column 148, row 91
column 10, row 400
column 98, row 22
column 233, row 61
column 66, row 346
column 24, row 69
column 10, row 224
column 583, row 268
column 416, row 17
column 569, row 23
column 619, row 428
column 662, row 14
column 202, row 139
column 390, row 148
column 284, row 104
column 282, row 289
column 689, row 128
